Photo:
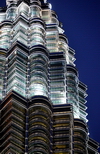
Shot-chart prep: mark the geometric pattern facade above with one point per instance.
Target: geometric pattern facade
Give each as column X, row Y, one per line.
column 42, row 101
column 35, row 58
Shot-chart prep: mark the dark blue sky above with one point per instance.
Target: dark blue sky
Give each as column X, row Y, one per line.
column 81, row 22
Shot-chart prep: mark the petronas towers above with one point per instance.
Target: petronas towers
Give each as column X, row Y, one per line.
column 42, row 101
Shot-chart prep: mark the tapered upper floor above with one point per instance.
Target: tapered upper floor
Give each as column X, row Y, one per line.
column 35, row 58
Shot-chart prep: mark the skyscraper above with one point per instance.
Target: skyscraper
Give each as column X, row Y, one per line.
column 42, row 100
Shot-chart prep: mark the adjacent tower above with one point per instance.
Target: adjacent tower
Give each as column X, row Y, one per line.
column 42, row 100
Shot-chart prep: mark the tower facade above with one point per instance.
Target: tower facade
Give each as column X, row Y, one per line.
column 42, row 100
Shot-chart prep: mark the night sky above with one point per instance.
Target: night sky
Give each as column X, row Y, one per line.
column 81, row 22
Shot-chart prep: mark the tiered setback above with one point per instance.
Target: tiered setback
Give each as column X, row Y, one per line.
column 42, row 101
column 36, row 57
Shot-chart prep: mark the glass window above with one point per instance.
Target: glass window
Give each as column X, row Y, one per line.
column 11, row 13
column 2, row 16
column 35, row 11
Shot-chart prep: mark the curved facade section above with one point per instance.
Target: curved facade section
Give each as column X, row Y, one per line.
column 38, row 73
column 35, row 8
column 11, row 11
column 5, row 35
column 57, row 73
column 37, row 32
column 72, row 89
column 80, row 136
column 63, row 45
column 62, row 129
column 9, row 2
column 52, row 38
column 39, row 126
